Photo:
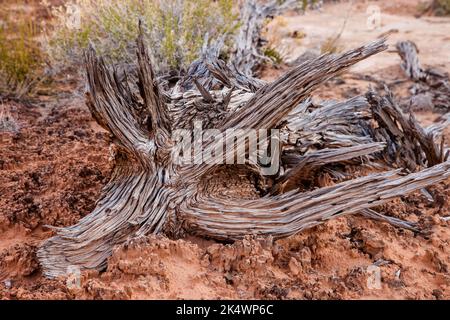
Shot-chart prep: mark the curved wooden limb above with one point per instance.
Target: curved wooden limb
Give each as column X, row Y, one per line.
column 289, row 213
column 134, row 201
column 150, row 92
column 273, row 102
column 130, row 202
column 110, row 107
column 372, row 214
column 304, row 166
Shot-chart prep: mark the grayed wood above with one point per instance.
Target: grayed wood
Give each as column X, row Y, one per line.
column 303, row 167
column 372, row 214
column 432, row 86
column 149, row 193
column 328, row 124
column 292, row 212
column 408, row 52
column 247, row 53
column 408, row 144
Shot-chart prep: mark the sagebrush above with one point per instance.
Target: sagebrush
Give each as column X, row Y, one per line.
column 21, row 59
column 175, row 29
column 442, row 7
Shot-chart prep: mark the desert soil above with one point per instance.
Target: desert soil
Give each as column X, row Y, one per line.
column 54, row 166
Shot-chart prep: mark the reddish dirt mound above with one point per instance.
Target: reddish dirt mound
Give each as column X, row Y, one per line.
column 52, row 170
column 52, row 173
column 55, row 164
column 53, row 167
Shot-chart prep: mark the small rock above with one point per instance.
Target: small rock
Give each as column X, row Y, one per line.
column 294, row 266
column 372, row 245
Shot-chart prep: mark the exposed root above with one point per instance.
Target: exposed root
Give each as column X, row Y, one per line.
column 149, row 193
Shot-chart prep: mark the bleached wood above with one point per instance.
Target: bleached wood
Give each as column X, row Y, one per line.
column 148, row 193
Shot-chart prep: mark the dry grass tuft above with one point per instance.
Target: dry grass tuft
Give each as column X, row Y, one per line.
column 21, row 59
column 176, row 29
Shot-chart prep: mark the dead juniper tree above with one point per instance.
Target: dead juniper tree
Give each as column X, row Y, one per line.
column 149, row 192
column 431, row 88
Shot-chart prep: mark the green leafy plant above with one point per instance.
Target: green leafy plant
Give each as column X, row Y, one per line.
column 273, row 55
column 20, row 56
column 442, row 7
column 175, row 29
column 304, row 4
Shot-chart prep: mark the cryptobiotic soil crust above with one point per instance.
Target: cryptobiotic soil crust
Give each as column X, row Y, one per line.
column 55, row 163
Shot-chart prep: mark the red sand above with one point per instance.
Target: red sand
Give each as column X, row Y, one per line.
column 52, row 172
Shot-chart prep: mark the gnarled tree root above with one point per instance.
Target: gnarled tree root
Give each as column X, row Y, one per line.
column 148, row 192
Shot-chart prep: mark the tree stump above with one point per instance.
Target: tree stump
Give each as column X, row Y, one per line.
column 150, row 192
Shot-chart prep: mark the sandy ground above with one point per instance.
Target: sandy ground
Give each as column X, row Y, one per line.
column 54, row 166
column 360, row 21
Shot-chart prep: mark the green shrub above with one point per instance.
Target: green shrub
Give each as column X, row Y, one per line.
column 175, row 29
column 20, row 56
column 305, row 4
column 273, row 55
column 331, row 45
column 442, row 7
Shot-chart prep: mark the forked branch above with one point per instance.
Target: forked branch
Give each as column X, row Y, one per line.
column 292, row 212
column 149, row 193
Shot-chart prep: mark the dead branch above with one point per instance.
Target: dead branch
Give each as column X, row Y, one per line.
column 149, row 193
column 290, row 213
column 408, row 144
column 431, row 85
column 303, row 167
column 247, row 54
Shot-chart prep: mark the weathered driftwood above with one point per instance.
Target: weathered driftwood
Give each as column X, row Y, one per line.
column 329, row 124
column 408, row 144
column 292, row 212
column 303, row 167
column 149, row 193
column 432, row 87
column 435, row 7
column 247, row 53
